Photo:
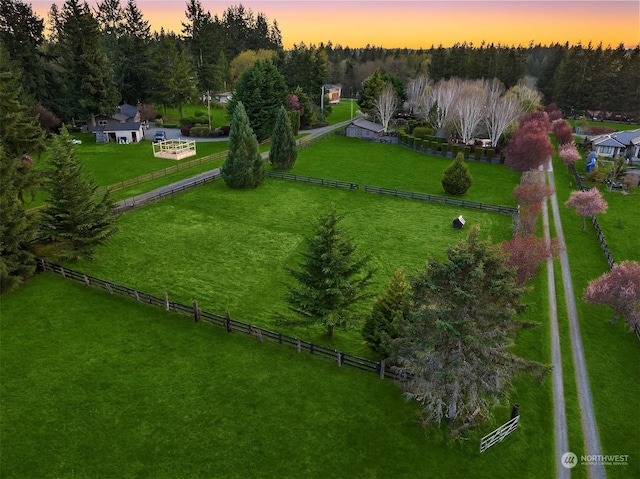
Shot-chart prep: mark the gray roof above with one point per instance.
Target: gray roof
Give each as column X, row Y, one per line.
column 367, row 125
column 128, row 126
column 618, row 139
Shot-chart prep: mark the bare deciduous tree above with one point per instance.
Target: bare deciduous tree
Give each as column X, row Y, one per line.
column 502, row 112
column 468, row 110
column 386, row 105
column 443, row 96
column 417, row 90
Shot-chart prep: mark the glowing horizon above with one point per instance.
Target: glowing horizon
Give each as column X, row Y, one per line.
column 420, row 23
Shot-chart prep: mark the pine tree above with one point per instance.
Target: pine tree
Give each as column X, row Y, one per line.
column 244, row 166
column 74, row 217
column 20, row 137
column 87, row 71
column 330, row 279
column 16, row 230
column 386, row 314
column 454, row 345
column 371, row 89
column 262, row 90
column 457, row 179
column 284, row 150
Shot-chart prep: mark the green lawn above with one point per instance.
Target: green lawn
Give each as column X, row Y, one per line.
column 98, row 386
column 228, row 248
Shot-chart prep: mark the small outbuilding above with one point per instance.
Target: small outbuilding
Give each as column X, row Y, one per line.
column 361, row 128
column 459, row 222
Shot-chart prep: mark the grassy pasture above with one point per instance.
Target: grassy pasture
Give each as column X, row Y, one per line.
column 228, row 248
column 99, row 386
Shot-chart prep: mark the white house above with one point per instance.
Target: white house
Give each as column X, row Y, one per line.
column 123, row 127
column 620, row 143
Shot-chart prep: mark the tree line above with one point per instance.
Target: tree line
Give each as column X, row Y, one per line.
column 91, row 58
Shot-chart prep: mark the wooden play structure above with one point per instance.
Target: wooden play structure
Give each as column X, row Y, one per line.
column 174, row 149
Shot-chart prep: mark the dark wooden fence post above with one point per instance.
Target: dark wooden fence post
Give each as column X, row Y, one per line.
column 515, row 411
column 196, row 312
column 227, row 321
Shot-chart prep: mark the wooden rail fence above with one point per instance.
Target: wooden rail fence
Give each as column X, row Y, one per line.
column 133, row 203
column 444, row 200
column 315, row 181
column 227, row 322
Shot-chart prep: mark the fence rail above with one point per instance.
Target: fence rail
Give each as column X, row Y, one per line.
column 441, row 200
column 160, row 173
column 227, row 322
column 132, row 203
column 315, row 181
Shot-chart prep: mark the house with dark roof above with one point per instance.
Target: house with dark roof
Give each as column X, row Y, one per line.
column 620, row 143
column 333, row 92
column 123, row 127
column 361, row 128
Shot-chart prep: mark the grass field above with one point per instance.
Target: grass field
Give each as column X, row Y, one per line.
column 97, row 386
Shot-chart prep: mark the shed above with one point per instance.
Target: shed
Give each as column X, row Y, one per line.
column 459, row 222
column 361, row 128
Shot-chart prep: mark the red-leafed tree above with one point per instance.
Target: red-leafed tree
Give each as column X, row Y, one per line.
column 536, row 120
column 553, row 112
column 528, row 149
column 531, row 190
column 569, row 153
column 525, row 253
column 562, row 131
column 620, row 290
column 587, row 203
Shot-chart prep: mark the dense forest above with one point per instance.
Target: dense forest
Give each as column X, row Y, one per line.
column 85, row 59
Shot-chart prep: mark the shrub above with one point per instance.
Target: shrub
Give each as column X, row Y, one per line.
column 422, row 132
column 490, row 152
column 199, row 113
column 185, row 130
column 457, row 179
column 200, row 131
column 467, row 151
column 455, row 149
column 187, row 121
column 477, row 152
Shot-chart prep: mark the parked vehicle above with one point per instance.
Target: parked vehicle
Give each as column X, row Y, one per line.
column 159, row 136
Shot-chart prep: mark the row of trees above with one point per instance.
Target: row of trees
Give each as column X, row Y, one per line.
column 75, row 219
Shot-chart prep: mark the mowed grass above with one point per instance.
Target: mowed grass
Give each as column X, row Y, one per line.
column 611, row 351
column 99, row 386
column 228, row 249
column 393, row 166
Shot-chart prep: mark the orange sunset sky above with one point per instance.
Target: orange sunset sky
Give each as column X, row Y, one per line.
column 420, row 23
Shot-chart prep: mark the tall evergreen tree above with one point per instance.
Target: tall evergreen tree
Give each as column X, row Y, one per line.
column 74, row 218
column 284, row 151
column 22, row 34
column 262, row 90
column 370, row 92
column 87, row 71
column 134, row 78
column 387, row 312
column 454, row 345
column 330, row 279
column 173, row 65
column 244, row 166
column 17, row 263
